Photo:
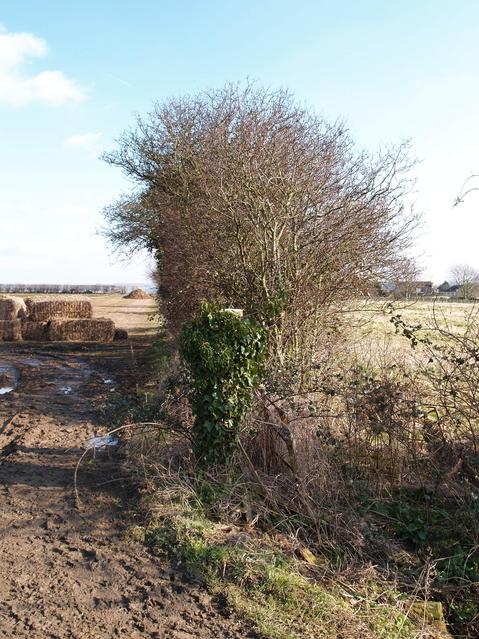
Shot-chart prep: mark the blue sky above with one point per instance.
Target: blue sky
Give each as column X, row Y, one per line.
column 73, row 74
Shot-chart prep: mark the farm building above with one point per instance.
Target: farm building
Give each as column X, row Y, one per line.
column 414, row 289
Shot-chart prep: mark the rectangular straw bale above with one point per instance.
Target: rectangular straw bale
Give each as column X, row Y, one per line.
column 81, row 330
column 10, row 330
column 11, row 308
column 42, row 309
column 34, row 331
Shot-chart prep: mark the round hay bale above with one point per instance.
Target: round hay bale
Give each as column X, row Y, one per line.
column 137, row 294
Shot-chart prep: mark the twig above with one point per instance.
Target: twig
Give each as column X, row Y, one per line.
column 7, row 423
column 111, row 432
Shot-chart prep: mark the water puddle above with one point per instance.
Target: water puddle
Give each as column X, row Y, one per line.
column 58, row 374
column 66, row 390
column 109, row 382
column 6, row 389
column 101, row 443
column 31, row 361
column 8, row 378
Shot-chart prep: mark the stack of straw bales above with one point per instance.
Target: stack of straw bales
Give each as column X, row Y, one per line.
column 62, row 319
column 12, row 311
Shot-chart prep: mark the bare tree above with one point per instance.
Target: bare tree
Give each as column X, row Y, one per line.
column 469, row 186
column 246, row 197
column 467, row 278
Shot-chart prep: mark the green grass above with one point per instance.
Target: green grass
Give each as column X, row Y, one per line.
column 282, row 597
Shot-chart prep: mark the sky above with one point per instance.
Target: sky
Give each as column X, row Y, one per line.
column 74, row 74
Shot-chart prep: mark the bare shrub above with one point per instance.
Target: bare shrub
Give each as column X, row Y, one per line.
column 246, row 197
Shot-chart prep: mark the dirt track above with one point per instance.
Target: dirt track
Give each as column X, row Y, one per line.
column 67, row 573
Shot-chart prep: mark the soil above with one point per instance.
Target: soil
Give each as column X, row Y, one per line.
column 69, row 572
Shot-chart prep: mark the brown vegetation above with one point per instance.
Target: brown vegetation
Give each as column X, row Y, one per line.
column 248, row 198
column 366, row 460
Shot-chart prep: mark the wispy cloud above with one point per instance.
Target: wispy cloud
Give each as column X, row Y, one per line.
column 118, row 79
column 83, row 140
column 17, row 87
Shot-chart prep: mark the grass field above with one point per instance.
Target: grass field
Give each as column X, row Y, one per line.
column 373, row 317
column 138, row 317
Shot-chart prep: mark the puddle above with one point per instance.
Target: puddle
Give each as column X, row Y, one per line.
column 31, row 361
column 67, row 375
column 66, row 390
column 8, row 378
column 6, row 389
column 109, row 382
column 100, row 443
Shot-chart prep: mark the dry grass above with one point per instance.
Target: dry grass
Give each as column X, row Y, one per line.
column 373, row 320
column 138, row 317
column 211, row 526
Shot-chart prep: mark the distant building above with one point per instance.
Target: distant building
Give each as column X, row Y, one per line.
column 466, row 292
column 444, row 287
column 414, row 289
column 383, row 289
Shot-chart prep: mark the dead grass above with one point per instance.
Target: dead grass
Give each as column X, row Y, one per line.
column 372, row 320
column 269, row 579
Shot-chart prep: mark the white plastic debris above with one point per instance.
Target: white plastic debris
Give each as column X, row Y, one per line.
column 100, row 443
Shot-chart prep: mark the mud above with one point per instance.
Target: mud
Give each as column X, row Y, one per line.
column 69, row 573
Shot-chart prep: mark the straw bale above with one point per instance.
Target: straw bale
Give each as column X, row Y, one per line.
column 44, row 309
column 10, row 330
column 81, row 330
column 34, row 331
column 12, row 308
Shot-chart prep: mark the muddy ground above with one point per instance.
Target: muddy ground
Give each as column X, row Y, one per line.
column 69, row 572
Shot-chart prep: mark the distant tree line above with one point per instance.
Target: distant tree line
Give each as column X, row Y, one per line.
column 64, row 288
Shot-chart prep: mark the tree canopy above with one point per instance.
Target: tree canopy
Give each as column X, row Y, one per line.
column 245, row 196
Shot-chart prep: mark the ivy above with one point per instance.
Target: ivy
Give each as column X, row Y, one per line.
column 224, row 356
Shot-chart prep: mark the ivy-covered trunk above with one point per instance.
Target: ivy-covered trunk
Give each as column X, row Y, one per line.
column 224, row 355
